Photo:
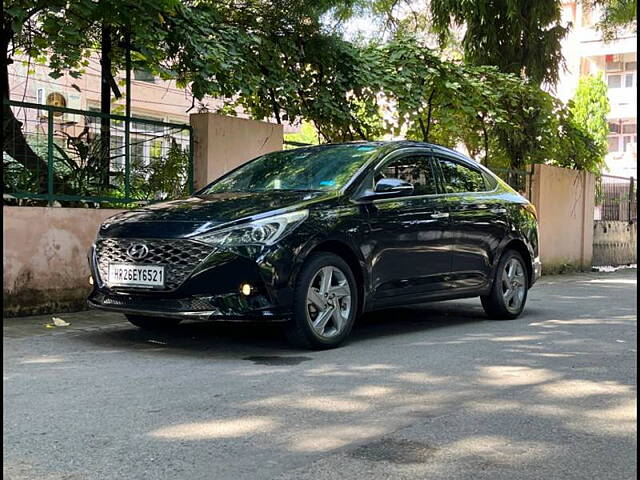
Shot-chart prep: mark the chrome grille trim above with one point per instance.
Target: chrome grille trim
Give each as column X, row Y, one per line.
column 180, row 257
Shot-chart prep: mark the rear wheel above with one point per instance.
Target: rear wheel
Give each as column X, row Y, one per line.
column 325, row 303
column 152, row 323
column 509, row 291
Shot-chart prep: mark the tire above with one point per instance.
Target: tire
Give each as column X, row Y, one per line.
column 316, row 303
column 152, row 323
column 506, row 301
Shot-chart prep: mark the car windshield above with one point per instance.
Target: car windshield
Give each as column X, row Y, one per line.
column 321, row 168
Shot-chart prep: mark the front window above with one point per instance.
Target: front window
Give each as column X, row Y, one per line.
column 323, row 168
column 415, row 169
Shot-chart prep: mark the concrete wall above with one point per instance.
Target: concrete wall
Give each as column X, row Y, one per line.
column 564, row 200
column 44, row 252
column 222, row 143
column 614, row 243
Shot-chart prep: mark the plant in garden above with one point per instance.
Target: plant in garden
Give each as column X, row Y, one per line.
column 164, row 177
column 79, row 165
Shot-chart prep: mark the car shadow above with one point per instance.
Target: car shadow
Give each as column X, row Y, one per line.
column 233, row 340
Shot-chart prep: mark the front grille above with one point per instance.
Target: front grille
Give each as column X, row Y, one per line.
column 180, row 257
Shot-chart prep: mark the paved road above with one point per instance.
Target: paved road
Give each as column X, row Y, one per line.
column 431, row 393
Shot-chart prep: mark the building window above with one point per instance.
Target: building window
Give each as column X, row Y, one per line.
column 614, row 143
column 143, row 75
column 621, row 74
column 622, row 137
column 614, row 81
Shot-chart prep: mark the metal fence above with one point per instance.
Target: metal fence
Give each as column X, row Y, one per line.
column 616, row 199
column 519, row 180
column 77, row 157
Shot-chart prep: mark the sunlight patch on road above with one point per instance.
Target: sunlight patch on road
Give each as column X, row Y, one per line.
column 56, row 359
column 516, row 338
column 617, row 320
column 216, row 429
column 618, row 420
column 421, row 378
column 499, row 449
column 627, row 281
column 325, row 403
column 329, row 438
column 510, row 375
column 582, row 388
column 372, row 391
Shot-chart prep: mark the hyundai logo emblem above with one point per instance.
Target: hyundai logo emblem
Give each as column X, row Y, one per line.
column 137, row 251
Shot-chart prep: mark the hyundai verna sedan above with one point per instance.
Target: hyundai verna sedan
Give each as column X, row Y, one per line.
column 314, row 237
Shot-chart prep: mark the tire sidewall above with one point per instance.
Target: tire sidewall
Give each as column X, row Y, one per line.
column 310, row 268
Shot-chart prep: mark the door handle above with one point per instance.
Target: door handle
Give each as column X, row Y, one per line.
column 440, row 215
column 499, row 210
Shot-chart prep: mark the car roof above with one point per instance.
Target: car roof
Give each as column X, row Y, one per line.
column 391, row 145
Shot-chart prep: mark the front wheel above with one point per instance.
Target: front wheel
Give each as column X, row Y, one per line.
column 509, row 291
column 325, row 303
column 152, row 323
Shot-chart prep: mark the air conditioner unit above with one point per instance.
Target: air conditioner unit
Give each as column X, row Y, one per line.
column 56, row 96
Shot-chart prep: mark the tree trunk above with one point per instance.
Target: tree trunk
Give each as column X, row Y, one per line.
column 13, row 141
column 430, row 108
column 105, row 103
column 485, row 136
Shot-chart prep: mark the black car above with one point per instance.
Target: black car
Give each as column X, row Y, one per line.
column 313, row 237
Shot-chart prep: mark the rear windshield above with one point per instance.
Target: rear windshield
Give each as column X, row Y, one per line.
column 327, row 167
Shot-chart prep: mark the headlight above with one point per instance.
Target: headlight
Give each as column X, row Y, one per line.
column 265, row 231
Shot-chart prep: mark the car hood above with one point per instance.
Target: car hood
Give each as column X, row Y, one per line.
column 181, row 218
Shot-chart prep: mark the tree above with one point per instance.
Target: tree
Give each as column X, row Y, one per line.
column 590, row 107
column 521, row 37
column 616, row 15
column 270, row 57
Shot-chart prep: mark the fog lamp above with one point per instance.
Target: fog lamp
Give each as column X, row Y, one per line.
column 245, row 289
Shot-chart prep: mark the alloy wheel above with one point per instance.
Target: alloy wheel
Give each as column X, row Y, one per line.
column 513, row 285
column 329, row 302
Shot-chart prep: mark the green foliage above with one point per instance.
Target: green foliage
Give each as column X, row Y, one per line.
column 307, row 135
column 274, row 59
column 80, row 165
column 503, row 120
column 521, row 37
column 163, row 178
column 590, row 107
column 616, row 15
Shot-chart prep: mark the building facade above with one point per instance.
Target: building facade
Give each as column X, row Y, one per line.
column 586, row 53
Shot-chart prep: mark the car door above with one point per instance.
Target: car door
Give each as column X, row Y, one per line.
column 478, row 222
column 409, row 235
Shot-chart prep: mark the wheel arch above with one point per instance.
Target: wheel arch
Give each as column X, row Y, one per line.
column 345, row 251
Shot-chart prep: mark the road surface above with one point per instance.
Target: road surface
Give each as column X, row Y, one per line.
column 436, row 392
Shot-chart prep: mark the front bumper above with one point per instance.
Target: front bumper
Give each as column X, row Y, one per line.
column 537, row 270
column 231, row 307
column 211, row 291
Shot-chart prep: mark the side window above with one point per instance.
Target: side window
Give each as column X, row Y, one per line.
column 415, row 169
column 459, row 178
column 489, row 181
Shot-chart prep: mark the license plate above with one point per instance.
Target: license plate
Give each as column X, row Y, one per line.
column 126, row 274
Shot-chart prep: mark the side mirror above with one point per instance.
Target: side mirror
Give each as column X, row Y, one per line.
column 393, row 187
column 387, row 188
